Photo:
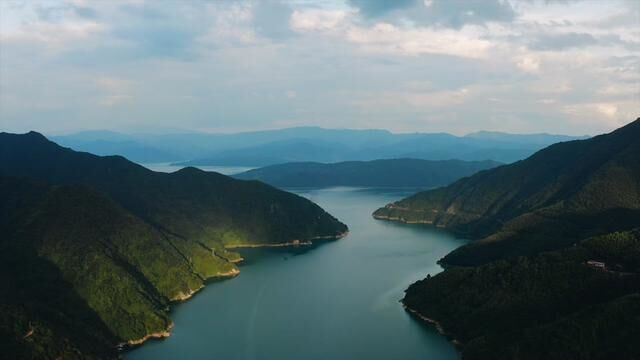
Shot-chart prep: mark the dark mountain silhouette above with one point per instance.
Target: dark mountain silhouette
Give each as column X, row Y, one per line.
column 562, row 193
column 376, row 173
column 556, row 272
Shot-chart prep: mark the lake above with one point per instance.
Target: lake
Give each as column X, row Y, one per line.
column 336, row 300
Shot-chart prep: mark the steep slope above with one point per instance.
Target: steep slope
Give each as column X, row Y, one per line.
column 209, row 208
column 380, row 173
column 81, row 274
column 94, row 249
column 564, row 189
column 556, row 272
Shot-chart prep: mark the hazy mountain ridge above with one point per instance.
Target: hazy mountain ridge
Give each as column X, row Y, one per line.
column 376, row 173
column 224, row 149
column 124, row 241
column 275, row 153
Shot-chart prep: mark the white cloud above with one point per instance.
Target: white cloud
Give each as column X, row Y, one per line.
column 389, row 39
column 414, row 99
column 603, row 115
column 528, row 63
column 114, row 91
column 318, row 20
column 290, row 94
column 230, row 25
column 52, row 36
column 113, row 100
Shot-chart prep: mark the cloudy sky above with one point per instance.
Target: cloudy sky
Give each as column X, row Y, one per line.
column 560, row 66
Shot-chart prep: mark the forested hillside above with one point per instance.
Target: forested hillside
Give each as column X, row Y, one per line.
column 94, row 249
column 554, row 271
column 559, row 195
column 375, row 173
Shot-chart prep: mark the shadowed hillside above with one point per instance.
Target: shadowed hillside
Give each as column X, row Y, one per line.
column 376, row 173
column 555, row 273
column 116, row 243
column 589, row 186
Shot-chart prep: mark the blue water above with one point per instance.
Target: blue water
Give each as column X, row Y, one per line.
column 338, row 300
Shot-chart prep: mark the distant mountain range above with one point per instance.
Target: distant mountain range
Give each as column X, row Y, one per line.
column 270, row 147
column 94, row 249
column 555, row 272
column 376, row 173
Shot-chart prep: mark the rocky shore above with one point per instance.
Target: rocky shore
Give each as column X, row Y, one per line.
column 181, row 296
column 434, row 323
column 156, row 335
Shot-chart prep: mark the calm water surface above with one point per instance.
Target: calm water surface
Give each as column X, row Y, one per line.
column 338, row 300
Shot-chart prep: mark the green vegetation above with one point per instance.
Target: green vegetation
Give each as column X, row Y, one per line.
column 94, row 249
column 551, row 305
column 567, row 191
column 377, row 173
column 524, row 289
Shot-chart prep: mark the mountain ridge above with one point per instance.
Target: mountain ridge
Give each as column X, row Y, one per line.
column 353, row 144
column 414, row 173
column 122, row 243
column 554, row 271
column 558, row 179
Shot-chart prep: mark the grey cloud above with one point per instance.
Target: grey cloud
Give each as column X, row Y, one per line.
column 562, row 41
column 50, row 13
column 85, row 12
column 555, row 42
column 160, row 31
column 160, row 41
column 53, row 12
column 629, row 64
column 613, row 39
column 271, row 19
column 457, row 13
column 376, row 8
column 446, row 13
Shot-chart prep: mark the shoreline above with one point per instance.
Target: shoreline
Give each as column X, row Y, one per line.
column 403, row 220
column 436, row 324
column 409, row 222
column 138, row 342
column 292, row 243
column 182, row 297
column 284, row 244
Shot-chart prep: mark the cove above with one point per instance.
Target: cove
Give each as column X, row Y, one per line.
column 335, row 300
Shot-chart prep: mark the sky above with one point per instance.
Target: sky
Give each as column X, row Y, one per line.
column 457, row 66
